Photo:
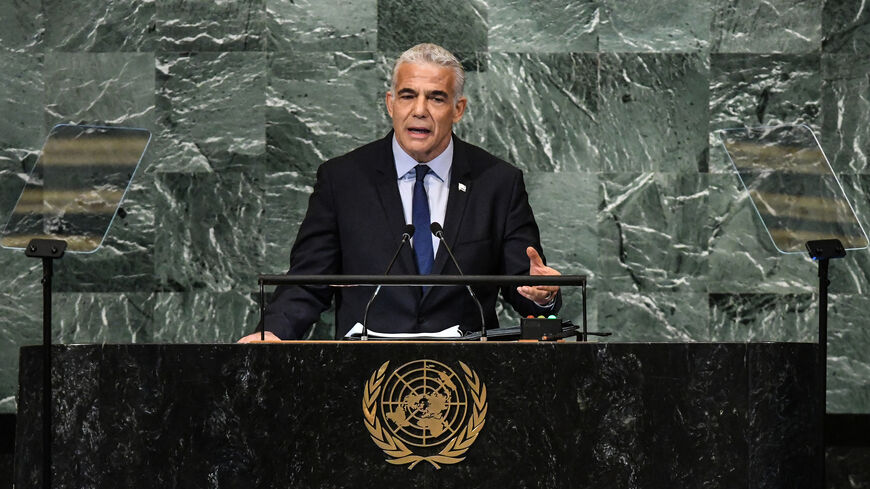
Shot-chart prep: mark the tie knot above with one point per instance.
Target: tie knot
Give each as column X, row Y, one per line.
column 422, row 170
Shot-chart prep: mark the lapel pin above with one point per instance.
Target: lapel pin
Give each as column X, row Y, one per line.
column 461, row 187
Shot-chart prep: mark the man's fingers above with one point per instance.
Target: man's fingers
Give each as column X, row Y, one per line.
column 526, row 292
column 540, row 294
column 534, row 258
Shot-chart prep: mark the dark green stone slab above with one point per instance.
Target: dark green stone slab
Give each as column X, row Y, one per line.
column 320, row 105
column 321, row 25
column 852, row 273
column 118, row 25
column 654, row 232
column 845, row 27
column 776, row 26
column 211, row 111
column 21, row 126
column 456, row 25
column 100, row 88
column 203, row 317
column 764, row 317
column 211, row 231
column 543, row 25
column 541, row 110
column 742, row 257
column 22, row 26
column 656, row 26
column 653, row 112
column 654, row 316
column 845, row 134
column 286, row 201
column 848, row 355
column 753, row 90
column 205, row 25
column 102, row 318
column 566, row 206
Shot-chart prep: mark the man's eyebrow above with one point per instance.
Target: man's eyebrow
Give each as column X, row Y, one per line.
column 407, row 90
column 437, row 93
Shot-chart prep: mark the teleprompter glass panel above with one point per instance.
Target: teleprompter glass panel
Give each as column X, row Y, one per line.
column 792, row 186
column 76, row 186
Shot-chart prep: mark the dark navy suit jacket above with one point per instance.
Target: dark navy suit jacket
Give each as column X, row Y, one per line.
column 354, row 224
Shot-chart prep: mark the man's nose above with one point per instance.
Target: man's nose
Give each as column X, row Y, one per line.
column 420, row 107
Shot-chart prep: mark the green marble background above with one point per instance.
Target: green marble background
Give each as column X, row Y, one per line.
column 607, row 105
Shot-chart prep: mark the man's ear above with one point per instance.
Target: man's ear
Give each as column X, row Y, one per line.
column 460, row 109
column 389, row 101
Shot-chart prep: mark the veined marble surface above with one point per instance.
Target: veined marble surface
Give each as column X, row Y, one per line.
column 610, row 107
column 633, row 415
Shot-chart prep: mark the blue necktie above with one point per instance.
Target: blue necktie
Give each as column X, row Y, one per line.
column 421, row 221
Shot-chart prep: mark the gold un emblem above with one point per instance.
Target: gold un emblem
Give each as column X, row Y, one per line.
column 424, row 411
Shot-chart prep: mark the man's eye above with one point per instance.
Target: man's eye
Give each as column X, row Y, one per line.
column 438, row 99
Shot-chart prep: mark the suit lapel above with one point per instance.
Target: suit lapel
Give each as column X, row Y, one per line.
column 386, row 183
column 457, row 198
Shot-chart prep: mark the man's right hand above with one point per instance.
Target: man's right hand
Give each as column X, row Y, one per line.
column 255, row 338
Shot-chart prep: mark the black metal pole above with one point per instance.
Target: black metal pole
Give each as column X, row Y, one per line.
column 49, row 250
column 262, row 312
column 823, row 362
column 585, row 335
column 47, row 270
column 822, row 251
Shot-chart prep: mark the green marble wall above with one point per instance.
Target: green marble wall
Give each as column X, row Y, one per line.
column 607, row 105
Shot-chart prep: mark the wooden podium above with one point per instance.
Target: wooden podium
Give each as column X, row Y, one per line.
column 439, row 415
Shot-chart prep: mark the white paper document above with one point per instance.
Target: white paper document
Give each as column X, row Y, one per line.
column 451, row 332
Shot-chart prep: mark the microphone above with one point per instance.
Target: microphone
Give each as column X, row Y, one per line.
column 406, row 237
column 438, row 231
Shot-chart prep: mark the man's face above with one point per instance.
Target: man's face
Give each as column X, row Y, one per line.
column 424, row 109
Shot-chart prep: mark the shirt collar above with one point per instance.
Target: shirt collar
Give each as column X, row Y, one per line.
column 405, row 164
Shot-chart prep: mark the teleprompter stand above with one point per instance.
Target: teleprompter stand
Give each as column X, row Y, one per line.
column 49, row 250
column 822, row 251
column 803, row 207
column 69, row 200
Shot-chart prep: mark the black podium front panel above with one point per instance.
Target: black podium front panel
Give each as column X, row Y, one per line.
column 497, row 415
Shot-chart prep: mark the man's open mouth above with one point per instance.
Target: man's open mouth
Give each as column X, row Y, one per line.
column 419, row 130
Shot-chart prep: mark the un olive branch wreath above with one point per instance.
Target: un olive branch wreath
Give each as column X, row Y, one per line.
column 394, row 447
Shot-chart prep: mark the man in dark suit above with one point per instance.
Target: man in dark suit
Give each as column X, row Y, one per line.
column 418, row 174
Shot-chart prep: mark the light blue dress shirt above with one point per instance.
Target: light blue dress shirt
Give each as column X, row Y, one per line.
column 436, row 182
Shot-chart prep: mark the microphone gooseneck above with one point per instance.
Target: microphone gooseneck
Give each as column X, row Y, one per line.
column 438, row 231
column 407, row 233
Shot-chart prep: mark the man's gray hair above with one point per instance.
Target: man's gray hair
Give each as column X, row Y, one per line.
column 435, row 54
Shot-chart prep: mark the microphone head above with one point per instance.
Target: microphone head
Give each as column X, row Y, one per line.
column 435, row 228
column 409, row 230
